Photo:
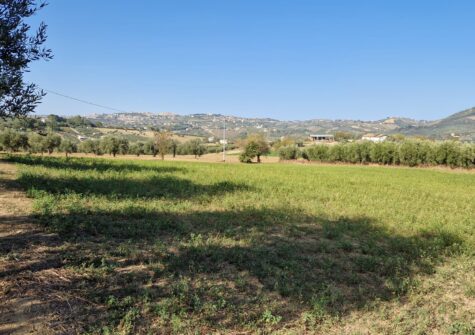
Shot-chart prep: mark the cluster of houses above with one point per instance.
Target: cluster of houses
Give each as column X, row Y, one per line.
column 325, row 138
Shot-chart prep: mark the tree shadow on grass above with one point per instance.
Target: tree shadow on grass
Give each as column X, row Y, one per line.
column 123, row 187
column 87, row 164
column 221, row 270
column 247, row 262
column 157, row 184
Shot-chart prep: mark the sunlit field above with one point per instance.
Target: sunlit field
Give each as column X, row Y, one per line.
column 195, row 248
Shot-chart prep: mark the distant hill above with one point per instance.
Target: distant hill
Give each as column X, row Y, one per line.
column 461, row 124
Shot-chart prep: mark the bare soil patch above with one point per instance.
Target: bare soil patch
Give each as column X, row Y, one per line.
column 32, row 296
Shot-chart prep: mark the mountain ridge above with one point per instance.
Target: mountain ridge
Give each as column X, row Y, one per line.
column 459, row 125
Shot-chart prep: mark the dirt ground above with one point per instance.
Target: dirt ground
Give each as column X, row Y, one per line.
column 32, row 296
column 231, row 157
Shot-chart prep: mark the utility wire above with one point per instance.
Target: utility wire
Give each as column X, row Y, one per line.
column 86, row 102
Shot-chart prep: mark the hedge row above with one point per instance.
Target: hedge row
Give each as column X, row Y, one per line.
column 408, row 152
column 12, row 140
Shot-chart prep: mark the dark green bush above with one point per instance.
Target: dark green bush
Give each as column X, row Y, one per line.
column 288, row 153
column 408, row 154
column 467, row 156
column 251, row 151
column 448, row 153
column 364, row 151
column 319, row 152
column 384, row 153
column 243, row 158
column 192, row 147
column 405, row 152
column 336, row 153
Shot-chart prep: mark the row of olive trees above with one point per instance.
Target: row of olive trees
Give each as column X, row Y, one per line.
column 162, row 144
column 11, row 140
column 407, row 152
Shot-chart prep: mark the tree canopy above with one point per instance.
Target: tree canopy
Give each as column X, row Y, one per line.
column 18, row 48
column 255, row 145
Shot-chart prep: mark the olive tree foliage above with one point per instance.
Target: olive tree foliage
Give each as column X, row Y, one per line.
column 255, row 145
column 18, row 48
column 192, row 147
column 250, row 151
column 162, row 142
column 12, row 140
column 67, row 146
column 110, row 145
column 137, row 149
column 150, row 148
column 173, row 147
column 90, row 146
column 52, row 142
column 288, row 152
column 36, row 143
column 409, row 152
column 123, row 146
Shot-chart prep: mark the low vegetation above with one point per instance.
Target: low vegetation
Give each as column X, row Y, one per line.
column 163, row 144
column 406, row 152
column 187, row 248
column 397, row 151
column 254, row 146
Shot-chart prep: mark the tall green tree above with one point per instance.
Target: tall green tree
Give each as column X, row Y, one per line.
column 256, row 145
column 90, row 146
column 18, row 48
column 137, row 148
column 13, row 140
column 123, row 146
column 150, row 148
column 52, row 141
column 110, row 145
column 173, row 147
column 36, row 143
column 162, row 142
column 67, row 147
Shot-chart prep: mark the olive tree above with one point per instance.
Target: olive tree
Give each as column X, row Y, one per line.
column 110, row 145
column 36, row 143
column 162, row 142
column 255, row 145
column 90, row 146
column 137, row 149
column 13, row 140
column 67, row 146
column 18, row 48
column 52, row 141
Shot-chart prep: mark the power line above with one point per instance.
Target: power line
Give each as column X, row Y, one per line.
column 85, row 102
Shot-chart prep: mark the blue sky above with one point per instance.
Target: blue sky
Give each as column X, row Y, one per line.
column 294, row 59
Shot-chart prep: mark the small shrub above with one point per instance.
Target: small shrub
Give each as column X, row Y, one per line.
column 288, row 153
column 319, row 152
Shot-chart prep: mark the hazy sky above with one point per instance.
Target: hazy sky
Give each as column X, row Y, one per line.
column 291, row 59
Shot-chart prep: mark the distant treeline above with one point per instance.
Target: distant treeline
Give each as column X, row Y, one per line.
column 406, row 152
column 32, row 142
column 51, row 122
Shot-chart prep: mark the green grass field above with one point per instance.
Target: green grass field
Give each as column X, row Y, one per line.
column 195, row 248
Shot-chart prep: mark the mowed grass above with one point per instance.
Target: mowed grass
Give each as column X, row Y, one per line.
column 195, row 248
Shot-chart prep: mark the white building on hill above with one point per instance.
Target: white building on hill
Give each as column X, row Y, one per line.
column 322, row 138
column 374, row 137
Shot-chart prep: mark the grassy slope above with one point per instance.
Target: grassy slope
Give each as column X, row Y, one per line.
column 185, row 247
